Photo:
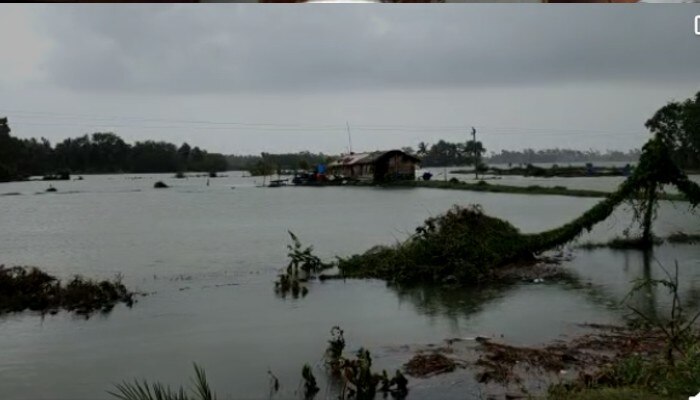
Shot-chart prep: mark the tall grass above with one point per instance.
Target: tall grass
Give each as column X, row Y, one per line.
column 144, row 390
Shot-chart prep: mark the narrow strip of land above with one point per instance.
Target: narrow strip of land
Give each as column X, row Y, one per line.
column 483, row 186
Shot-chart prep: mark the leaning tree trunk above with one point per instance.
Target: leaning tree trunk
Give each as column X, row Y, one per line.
column 647, row 235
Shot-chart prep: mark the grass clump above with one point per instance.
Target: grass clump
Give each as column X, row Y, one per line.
column 157, row 391
column 28, row 288
column 463, row 245
column 651, row 378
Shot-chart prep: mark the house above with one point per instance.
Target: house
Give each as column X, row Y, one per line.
column 377, row 166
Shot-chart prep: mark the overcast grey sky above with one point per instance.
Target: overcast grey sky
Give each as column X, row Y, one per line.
column 250, row 78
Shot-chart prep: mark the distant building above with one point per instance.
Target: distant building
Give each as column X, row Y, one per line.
column 377, row 166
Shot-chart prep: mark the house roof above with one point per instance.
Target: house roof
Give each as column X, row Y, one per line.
column 365, row 158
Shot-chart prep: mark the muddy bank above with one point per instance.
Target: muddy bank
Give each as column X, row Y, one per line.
column 507, row 371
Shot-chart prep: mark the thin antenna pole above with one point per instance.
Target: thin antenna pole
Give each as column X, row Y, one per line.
column 476, row 154
column 347, row 124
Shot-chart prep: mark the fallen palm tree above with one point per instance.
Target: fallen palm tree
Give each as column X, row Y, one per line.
column 466, row 246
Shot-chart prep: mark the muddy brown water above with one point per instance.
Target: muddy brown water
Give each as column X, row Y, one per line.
column 209, row 255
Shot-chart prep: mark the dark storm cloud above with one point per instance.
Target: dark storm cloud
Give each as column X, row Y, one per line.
column 234, row 48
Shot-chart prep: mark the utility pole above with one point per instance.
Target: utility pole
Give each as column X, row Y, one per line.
column 476, row 155
column 347, row 124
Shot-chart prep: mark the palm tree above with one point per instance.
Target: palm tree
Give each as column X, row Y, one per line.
column 422, row 149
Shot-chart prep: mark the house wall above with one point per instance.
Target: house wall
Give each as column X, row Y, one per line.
column 397, row 167
column 357, row 171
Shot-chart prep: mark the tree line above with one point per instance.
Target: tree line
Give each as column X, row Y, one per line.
column 530, row 156
column 677, row 123
column 447, row 153
column 102, row 152
column 269, row 164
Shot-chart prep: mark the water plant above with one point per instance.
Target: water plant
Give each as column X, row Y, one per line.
column 303, row 265
column 310, row 386
column 336, row 345
column 358, row 380
column 23, row 288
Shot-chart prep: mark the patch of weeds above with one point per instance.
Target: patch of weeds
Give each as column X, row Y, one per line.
column 28, row 288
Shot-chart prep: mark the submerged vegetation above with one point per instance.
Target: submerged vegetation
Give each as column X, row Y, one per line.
column 303, row 265
column 358, row 380
column 463, row 245
column 28, row 288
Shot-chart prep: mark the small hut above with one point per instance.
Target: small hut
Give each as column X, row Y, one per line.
column 377, row 166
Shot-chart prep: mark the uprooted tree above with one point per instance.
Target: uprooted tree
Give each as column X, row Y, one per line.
column 466, row 246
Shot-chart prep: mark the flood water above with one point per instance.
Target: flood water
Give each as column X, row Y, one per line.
column 208, row 257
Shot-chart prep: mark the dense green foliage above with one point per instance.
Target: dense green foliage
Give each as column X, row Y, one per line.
column 29, row 288
column 460, row 246
column 98, row 153
column 678, row 125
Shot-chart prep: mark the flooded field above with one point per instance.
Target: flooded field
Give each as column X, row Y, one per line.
column 207, row 255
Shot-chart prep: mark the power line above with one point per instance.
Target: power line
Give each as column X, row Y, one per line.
column 23, row 117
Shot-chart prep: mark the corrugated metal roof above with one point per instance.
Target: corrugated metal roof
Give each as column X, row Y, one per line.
column 365, row 158
column 357, row 158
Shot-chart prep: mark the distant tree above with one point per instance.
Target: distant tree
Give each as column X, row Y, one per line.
column 678, row 125
column 8, row 153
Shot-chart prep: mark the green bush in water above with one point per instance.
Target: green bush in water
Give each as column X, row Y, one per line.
column 463, row 245
column 23, row 288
